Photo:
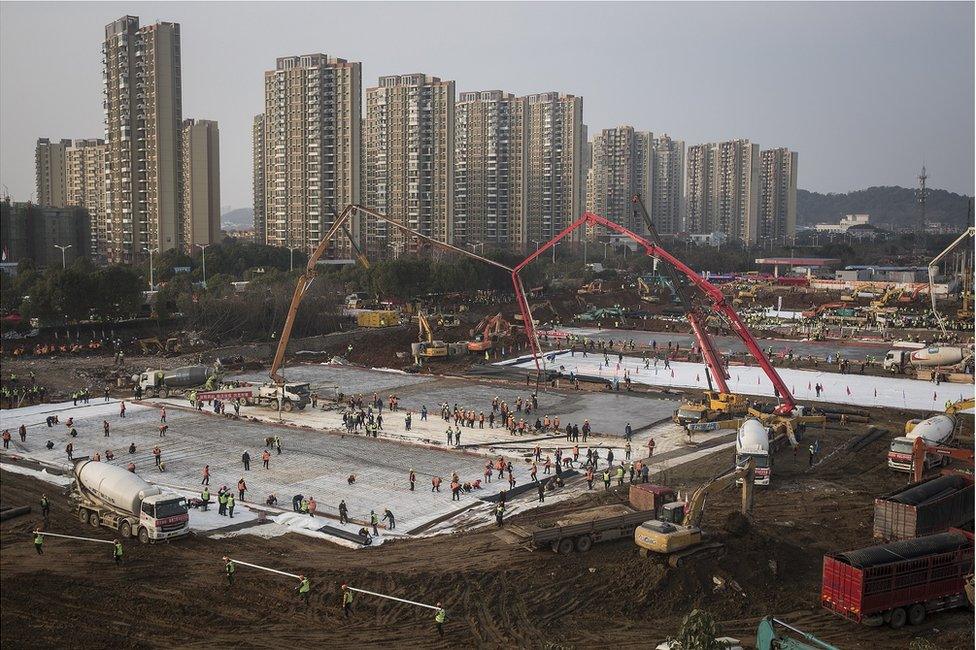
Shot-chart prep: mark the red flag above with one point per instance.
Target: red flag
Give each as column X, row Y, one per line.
column 848, row 390
column 758, row 380
column 697, row 378
column 935, row 397
column 875, row 392
column 809, row 385
column 672, row 373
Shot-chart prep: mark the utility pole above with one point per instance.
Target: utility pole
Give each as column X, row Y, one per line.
column 291, row 257
column 151, row 251
column 203, row 247
column 63, row 249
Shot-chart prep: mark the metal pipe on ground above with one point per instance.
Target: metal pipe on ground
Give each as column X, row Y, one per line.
column 83, row 539
column 402, row 600
column 17, row 511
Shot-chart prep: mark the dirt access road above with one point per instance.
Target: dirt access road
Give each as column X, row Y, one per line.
column 497, row 594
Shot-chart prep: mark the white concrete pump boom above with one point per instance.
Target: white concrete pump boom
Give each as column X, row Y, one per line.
column 934, row 270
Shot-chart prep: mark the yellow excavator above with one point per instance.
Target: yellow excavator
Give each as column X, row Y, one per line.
column 712, row 406
column 961, row 405
column 427, row 347
column 677, row 533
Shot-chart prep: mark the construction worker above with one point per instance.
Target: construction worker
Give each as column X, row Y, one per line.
column 23, row 433
column 38, row 542
column 246, row 459
column 542, row 492
column 6, row 438
column 413, row 479
column 117, row 551
column 620, row 475
column 45, row 506
column 627, row 451
column 374, row 521
column 441, row 615
column 241, row 488
column 589, row 478
column 229, row 569
column 346, row 600
column 230, row 504
column 312, row 505
column 606, row 479
column 343, row 512
column 650, row 447
column 205, row 497
column 221, row 502
column 105, row 427
column 304, row 588
column 206, row 475
column 388, row 515
column 499, row 514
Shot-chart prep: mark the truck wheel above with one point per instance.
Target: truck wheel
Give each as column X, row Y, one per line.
column 916, row 614
column 584, row 543
column 287, row 406
column 125, row 530
column 143, row 536
column 83, row 515
column 898, row 618
column 93, row 520
column 164, row 393
column 565, row 545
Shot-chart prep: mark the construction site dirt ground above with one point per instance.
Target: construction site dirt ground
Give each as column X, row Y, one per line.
column 496, row 593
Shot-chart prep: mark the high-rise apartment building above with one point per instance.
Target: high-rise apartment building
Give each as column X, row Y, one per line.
column 200, row 203
column 489, row 167
column 85, row 184
column 143, row 116
column 621, row 167
column 260, row 155
column 410, row 121
column 49, row 167
column 308, row 147
column 722, row 189
column 777, row 194
column 555, row 186
column 665, row 201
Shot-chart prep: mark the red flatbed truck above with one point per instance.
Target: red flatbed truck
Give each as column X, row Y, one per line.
column 899, row 582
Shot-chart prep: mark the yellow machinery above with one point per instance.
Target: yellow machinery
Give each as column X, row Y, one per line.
column 678, row 534
column 427, row 347
column 377, row 318
column 961, row 405
column 712, row 406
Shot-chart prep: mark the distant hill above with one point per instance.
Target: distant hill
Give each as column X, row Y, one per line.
column 239, row 219
column 888, row 206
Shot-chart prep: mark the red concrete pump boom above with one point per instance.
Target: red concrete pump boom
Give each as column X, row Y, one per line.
column 711, row 291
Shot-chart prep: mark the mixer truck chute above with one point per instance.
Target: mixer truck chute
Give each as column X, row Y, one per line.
column 115, row 498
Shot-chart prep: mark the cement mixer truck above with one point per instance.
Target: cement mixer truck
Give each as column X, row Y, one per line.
column 752, row 442
column 937, row 430
column 947, row 360
column 115, row 498
column 159, row 383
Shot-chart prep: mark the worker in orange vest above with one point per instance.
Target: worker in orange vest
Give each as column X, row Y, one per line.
column 266, row 458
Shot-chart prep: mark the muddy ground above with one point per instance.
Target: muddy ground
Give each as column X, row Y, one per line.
column 497, row 593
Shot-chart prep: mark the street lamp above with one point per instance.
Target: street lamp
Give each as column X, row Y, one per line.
column 537, row 243
column 554, row 244
column 605, row 244
column 151, row 251
column 291, row 257
column 203, row 247
column 63, row 249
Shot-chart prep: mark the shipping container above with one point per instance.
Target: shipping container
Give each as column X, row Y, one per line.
column 924, row 508
column 898, row 582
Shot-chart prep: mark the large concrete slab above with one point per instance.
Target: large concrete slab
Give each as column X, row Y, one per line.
column 349, row 379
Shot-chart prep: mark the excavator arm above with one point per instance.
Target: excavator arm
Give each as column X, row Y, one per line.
column 696, row 505
column 718, row 300
column 961, row 405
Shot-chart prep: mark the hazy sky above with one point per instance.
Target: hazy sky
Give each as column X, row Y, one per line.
column 865, row 92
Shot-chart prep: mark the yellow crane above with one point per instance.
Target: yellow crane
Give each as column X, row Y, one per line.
column 678, row 533
column 961, row 405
